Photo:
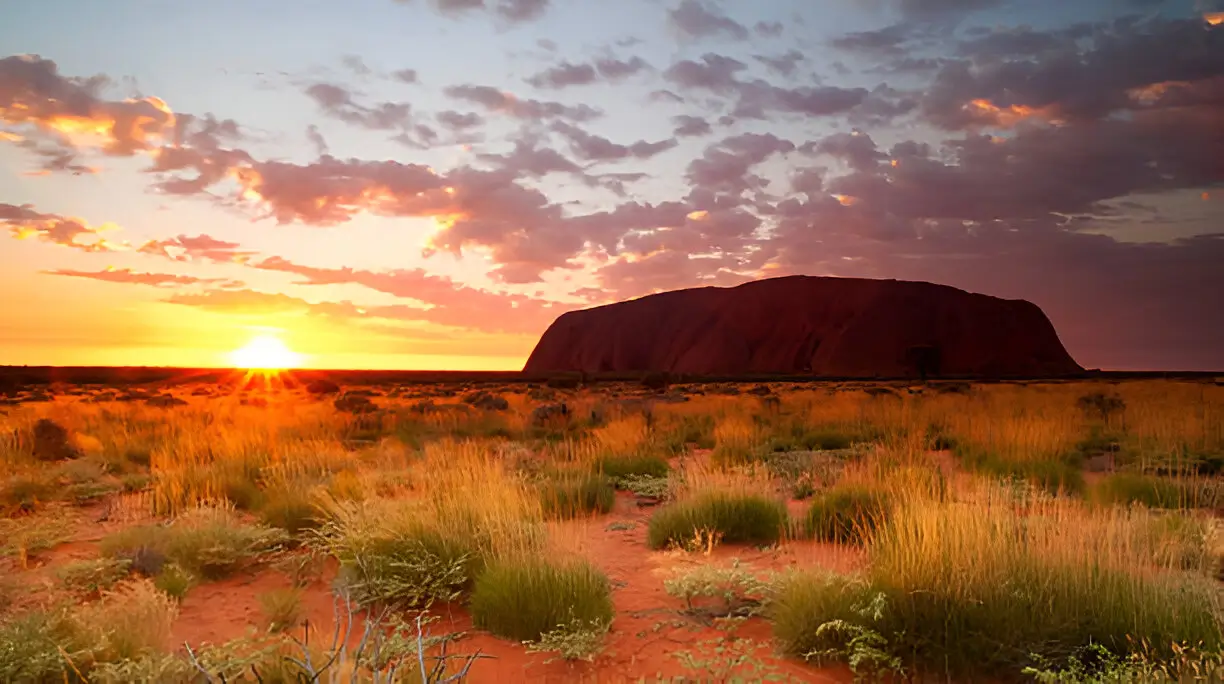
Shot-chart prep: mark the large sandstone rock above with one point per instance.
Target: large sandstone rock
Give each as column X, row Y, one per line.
column 847, row 327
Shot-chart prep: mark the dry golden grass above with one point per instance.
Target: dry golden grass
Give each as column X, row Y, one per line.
column 458, row 485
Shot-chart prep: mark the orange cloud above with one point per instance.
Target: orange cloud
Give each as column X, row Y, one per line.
column 127, row 275
column 24, row 223
column 1214, row 18
column 33, row 95
column 985, row 111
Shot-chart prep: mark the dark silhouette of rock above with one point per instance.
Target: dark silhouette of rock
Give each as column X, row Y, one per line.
column 847, row 327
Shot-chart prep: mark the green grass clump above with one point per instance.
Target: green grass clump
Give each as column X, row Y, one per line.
column 1055, row 475
column 210, row 543
column 27, row 493
column 524, row 599
column 290, row 509
column 95, row 575
column 396, row 560
column 737, row 518
column 619, row 468
column 803, row 602
column 573, row 495
column 1149, row 490
column 30, row 647
column 846, row 513
column 982, row 587
column 282, row 608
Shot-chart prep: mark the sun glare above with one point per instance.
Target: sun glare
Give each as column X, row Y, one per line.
column 265, row 353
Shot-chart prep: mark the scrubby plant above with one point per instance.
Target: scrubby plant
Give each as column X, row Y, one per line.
column 174, row 581
column 1149, row 490
column 736, row 517
column 282, row 608
column 95, row 575
column 710, row 591
column 207, row 542
column 390, row 558
column 576, row 640
column 25, row 537
column 988, row 586
column 289, row 508
column 572, row 495
column 621, row 468
column 846, row 513
column 39, row 647
column 27, row 493
column 132, row 620
column 648, row 486
column 526, row 598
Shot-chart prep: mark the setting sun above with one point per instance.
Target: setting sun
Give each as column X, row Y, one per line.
column 265, row 353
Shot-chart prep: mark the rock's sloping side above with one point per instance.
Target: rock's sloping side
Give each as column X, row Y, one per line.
column 846, row 327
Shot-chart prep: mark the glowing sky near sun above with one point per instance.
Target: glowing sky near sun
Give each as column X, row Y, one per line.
column 429, row 183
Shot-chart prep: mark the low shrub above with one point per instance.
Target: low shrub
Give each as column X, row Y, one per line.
column 735, row 518
column 720, row 592
column 846, row 513
column 95, row 575
column 282, row 608
column 619, row 468
column 1149, row 490
column 1056, row 476
column 408, row 565
column 991, row 588
column 38, row 646
column 132, row 620
column 27, row 493
column 209, row 543
column 526, row 598
column 573, row 495
column 290, row 509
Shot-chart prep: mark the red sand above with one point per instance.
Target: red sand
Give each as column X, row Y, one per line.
column 648, row 631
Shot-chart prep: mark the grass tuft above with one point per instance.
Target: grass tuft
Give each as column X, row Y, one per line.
column 846, row 513
column 734, row 517
column 524, row 599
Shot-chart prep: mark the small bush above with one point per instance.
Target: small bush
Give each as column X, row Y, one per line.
column 30, row 647
column 524, row 599
column 94, row 576
column 412, row 568
column 1130, row 488
column 290, row 509
column 174, row 581
column 848, row 514
column 715, row 592
column 804, row 601
column 27, row 493
column 210, row 543
column 621, row 467
column 577, row 640
column 648, row 486
column 736, row 518
column 282, row 608
column 572, row 495
column 130, row 621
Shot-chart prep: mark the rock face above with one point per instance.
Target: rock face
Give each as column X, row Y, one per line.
column 844, row 327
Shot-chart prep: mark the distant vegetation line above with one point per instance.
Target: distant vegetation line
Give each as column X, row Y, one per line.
column 113, row 375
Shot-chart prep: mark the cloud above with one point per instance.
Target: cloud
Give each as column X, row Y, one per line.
column 567, row 74
column 38, row 105
column 756, row 99
column 690, row 126
column 446, row 302
column 126, row 275
column 197, row 248
column 511, row 10
column 495, row 100
column 699, row 19
column 24, row 223
column 1090, row 75
column 337, row 102
column 596, row 148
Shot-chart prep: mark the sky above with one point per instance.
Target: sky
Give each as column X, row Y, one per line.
column 428, row 184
